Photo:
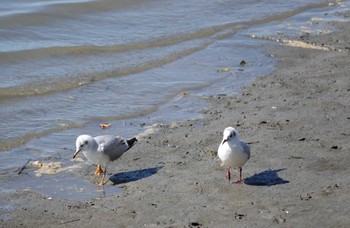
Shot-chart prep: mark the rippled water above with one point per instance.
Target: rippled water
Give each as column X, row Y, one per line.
column 64, row 63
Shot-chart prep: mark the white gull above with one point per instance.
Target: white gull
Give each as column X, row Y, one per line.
column 102, row 150
column 233, row 152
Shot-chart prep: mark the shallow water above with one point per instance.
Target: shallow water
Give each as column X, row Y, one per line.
column 67, row 63
column 62, row 186
column 67, row 66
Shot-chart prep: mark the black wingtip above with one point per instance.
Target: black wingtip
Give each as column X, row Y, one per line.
column 131, row 142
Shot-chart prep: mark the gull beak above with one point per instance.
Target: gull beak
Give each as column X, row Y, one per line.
column 225, row 140
column 76, row 153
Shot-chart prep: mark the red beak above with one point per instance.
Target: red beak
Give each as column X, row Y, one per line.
column 76, row 153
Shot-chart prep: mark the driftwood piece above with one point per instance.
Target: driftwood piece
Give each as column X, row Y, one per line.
column 20, row 169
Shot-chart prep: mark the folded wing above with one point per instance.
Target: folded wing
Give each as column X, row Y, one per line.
column 112, row 146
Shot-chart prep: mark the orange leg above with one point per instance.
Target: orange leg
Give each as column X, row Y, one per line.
column 98, row 170
column 103, row 176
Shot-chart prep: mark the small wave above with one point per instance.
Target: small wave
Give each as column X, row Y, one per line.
column 214, row 32
column 47, row 12
column 63, row 84
column 8, row 144
column 207, row 35
column 217, row 31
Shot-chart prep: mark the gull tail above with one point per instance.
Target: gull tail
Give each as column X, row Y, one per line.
column 131, row 142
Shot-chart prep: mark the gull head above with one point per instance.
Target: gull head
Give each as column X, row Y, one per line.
column 84, row 142
column 230, row 134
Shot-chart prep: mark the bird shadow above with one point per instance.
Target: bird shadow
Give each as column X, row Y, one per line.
column 266, row 178
column 130, row 176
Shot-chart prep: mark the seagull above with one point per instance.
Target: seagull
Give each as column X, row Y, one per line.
column 102, row 150
column 233, row 152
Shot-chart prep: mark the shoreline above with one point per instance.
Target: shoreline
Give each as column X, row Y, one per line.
column 296, row 123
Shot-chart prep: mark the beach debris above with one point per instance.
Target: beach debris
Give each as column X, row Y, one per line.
column 295, row 157
column 305, row 196
column 224, row 69
column 253, row 142
column 293, row 43
column 74, row 220
column 305, row 30
column 173, row 126
column 227, row 69
column 242, row 63
column 24, row 166
column 184, row 93
column 316, row 19
column 105, row 125
column 195, row 224
column 300, row 44
column 279, row 219
column 150, row 130
column 46, row 168
column 71, row 97
column 239, row 215
column 334, row 147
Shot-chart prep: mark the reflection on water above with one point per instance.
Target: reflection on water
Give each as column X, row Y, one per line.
column 64, row 183
column 63, row 186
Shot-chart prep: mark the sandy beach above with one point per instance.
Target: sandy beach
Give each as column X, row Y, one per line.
column 296, row 122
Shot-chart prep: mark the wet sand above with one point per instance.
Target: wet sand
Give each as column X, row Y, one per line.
column 296, row 121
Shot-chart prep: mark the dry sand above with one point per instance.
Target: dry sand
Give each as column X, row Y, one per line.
column 296, row 121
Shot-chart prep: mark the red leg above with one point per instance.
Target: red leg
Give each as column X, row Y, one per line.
column 228, row 173
column 240, row 181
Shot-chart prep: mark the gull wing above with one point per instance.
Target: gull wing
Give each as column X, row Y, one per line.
column 112, row 146
column 246, row 148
